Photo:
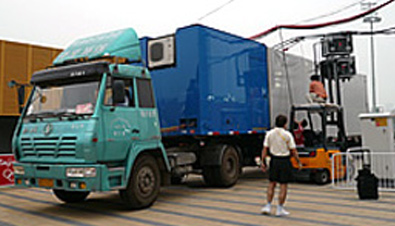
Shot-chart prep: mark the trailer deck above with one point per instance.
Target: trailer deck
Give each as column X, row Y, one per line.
column 195, row 204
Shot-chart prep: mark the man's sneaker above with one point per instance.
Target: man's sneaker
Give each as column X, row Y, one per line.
column 281, row 212
column 266, row 209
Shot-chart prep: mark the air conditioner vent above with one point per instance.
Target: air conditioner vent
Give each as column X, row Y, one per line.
column 161, row 52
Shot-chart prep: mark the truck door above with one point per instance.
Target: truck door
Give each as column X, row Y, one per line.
column 148, row 115
column 120, row 120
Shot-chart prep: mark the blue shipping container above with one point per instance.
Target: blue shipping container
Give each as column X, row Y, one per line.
column 218, row 84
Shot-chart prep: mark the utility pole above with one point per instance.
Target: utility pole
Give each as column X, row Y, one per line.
column 372, row 18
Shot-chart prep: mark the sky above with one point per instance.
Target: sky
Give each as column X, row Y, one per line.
column 56, row 23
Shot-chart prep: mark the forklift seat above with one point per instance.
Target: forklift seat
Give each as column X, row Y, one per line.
column 309, row 138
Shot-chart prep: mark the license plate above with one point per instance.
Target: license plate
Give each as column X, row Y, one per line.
column 45, row 182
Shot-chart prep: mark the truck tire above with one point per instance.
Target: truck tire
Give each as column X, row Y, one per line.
column 226, row 174
column 71, row 196
column 321, row 177
column 143, row 185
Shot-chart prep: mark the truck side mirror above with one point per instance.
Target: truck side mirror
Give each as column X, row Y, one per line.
column 118, row 92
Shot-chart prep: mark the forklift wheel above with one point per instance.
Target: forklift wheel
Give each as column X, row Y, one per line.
column 321, row 177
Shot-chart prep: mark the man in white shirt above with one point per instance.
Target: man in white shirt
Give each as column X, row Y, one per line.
column 282, row 146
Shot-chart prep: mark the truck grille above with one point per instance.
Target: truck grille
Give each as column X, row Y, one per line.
column 55, row 147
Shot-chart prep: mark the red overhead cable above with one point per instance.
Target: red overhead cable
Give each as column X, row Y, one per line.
column 314, row 26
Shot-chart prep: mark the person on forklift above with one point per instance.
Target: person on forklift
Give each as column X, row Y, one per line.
column 317, row 90
column 299, row 128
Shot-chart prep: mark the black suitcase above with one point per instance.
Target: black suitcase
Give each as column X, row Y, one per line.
column 367, row 184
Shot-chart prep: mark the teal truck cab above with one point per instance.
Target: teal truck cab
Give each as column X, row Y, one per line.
column 90, row 124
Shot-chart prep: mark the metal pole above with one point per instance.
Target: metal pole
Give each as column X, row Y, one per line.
column 330, row 78
column 374, row 18
column 315, row 58
column 373, row 68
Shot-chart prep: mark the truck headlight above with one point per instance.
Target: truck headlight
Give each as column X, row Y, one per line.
column 19, row 170
column 81, row 172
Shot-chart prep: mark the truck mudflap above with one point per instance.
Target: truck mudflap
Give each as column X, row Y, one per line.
column 87, row 177
column 212, row 155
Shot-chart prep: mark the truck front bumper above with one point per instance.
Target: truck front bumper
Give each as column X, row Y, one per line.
column 54, row 177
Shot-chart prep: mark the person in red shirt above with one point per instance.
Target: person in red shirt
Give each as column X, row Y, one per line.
column 317, row 90
column 298, row 132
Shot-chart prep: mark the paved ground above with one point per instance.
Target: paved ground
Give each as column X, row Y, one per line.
column 195, row 204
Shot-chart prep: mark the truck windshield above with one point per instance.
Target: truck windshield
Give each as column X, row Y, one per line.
column 75, row 100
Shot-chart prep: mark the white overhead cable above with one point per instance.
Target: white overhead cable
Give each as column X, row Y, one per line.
column 215, row 10
column 332, row 13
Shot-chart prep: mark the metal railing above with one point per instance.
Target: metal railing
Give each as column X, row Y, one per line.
column 381, row 164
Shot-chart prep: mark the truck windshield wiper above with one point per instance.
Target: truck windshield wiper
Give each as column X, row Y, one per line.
column 40, row 115
column 58, row 113
column 72, row 115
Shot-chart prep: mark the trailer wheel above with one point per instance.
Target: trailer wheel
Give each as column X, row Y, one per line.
column 71, row 196
column 321, row 177
column 226, row 174
column 144, row 184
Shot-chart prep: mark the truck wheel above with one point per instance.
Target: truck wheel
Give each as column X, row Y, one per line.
column 321, row 177
column 227, row 173
column 143, row 185
column 71, row 196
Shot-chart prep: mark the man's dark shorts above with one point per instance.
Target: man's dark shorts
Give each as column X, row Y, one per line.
column 280, row 170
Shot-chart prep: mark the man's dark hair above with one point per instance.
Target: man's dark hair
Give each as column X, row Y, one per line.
column 281, row 120
column 315, row 78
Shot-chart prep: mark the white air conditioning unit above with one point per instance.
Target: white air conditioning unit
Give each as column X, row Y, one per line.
column 161, row 52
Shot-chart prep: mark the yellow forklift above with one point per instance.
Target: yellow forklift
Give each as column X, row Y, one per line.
column 325, row 133
column 324, row 136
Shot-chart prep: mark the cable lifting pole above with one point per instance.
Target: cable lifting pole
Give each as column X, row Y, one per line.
column 291, row 101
